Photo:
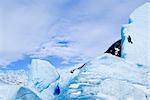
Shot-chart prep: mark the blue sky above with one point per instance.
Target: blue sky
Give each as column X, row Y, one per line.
column 64, row 32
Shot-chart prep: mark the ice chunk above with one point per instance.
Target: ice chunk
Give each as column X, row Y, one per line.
column 42, row 74
column 136, row 36
column 41, row 81
column 26, row 94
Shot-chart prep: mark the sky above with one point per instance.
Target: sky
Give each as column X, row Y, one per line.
column 64, row 32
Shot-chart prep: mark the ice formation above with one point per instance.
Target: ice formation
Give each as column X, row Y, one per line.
column 136, row 36
column 43, row 78
column 39, row 82
column 42, row 74
column 108, row 77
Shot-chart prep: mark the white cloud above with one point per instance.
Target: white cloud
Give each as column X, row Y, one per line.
column 28, row 27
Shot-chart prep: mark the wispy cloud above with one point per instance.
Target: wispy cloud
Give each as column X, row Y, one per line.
column 36, row 27
column 25, row 25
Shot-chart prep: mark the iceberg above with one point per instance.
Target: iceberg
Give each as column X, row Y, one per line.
column 136, row 36
column 108, row 77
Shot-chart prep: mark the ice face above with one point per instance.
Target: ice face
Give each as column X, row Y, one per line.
column 136, row 36
column 42, row 74
column 108, row 77
column 43, row 79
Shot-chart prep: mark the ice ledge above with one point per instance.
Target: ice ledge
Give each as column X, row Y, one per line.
column 135, row 36
column 140, row 13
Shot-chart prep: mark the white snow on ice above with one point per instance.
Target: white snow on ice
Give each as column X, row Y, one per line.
column 139, row 31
